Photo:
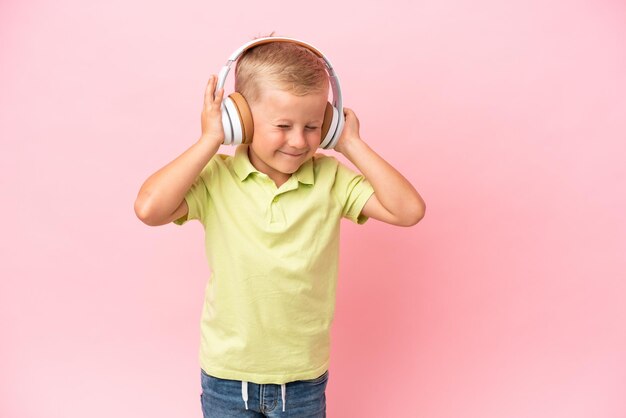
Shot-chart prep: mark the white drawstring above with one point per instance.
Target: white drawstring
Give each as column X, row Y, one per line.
column 244, row 392
column 283, row 390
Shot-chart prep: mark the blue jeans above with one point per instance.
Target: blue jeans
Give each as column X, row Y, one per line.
column 222, row 398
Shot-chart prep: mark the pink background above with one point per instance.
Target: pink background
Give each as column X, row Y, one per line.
column 509, row 117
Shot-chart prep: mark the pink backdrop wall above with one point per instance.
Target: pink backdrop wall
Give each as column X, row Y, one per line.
column 507, row 300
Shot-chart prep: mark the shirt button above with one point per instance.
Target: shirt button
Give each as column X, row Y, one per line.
column 275, row 199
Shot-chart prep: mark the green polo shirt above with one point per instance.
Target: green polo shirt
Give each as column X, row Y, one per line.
column 273, row 255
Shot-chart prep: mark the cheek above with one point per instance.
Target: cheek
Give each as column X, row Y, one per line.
column 265, row 129
column 275, row 139
column 315, row 137
column 268, row 138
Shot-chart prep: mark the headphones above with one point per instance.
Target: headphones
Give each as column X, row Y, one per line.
column 236, row 114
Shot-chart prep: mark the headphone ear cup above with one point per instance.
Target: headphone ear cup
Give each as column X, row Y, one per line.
column 237, row 120
column 227, row 124
column 329, row 126
column 233, row 122
column 241, row 117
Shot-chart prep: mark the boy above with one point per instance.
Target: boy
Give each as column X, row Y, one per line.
column 271, row 215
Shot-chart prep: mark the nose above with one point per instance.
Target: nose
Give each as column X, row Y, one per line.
column 297, row 139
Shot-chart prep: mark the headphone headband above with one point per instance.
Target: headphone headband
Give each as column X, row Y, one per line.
column 334, row 80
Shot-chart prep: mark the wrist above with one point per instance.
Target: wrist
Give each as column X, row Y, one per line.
column 207, row 146
column 350, row 145
column 211, row 139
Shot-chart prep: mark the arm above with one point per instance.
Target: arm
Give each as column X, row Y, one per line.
column 395, row 201
column 161, row 198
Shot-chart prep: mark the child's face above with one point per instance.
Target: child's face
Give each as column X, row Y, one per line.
column 287, row 131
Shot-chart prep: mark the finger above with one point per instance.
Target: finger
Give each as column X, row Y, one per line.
column 208, row 93
column 219, row 96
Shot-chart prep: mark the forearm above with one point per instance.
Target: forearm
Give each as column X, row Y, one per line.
column 391, row 188
column 162, row 193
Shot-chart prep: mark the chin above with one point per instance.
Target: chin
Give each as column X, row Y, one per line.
column 290, row 169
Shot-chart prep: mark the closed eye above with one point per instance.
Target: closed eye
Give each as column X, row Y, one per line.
column 312, row 128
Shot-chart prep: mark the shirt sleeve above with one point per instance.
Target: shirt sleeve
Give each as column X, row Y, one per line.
column 198, row 196
column 353, row 191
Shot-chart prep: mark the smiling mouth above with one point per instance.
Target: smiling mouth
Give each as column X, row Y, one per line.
column 292, row 155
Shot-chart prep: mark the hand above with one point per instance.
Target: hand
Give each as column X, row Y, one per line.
column 350, row 130
column 211, row 117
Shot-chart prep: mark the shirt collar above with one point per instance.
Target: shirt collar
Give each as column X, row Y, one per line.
column 243, row 167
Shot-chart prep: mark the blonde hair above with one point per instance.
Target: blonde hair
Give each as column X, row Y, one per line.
column 289, row 66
